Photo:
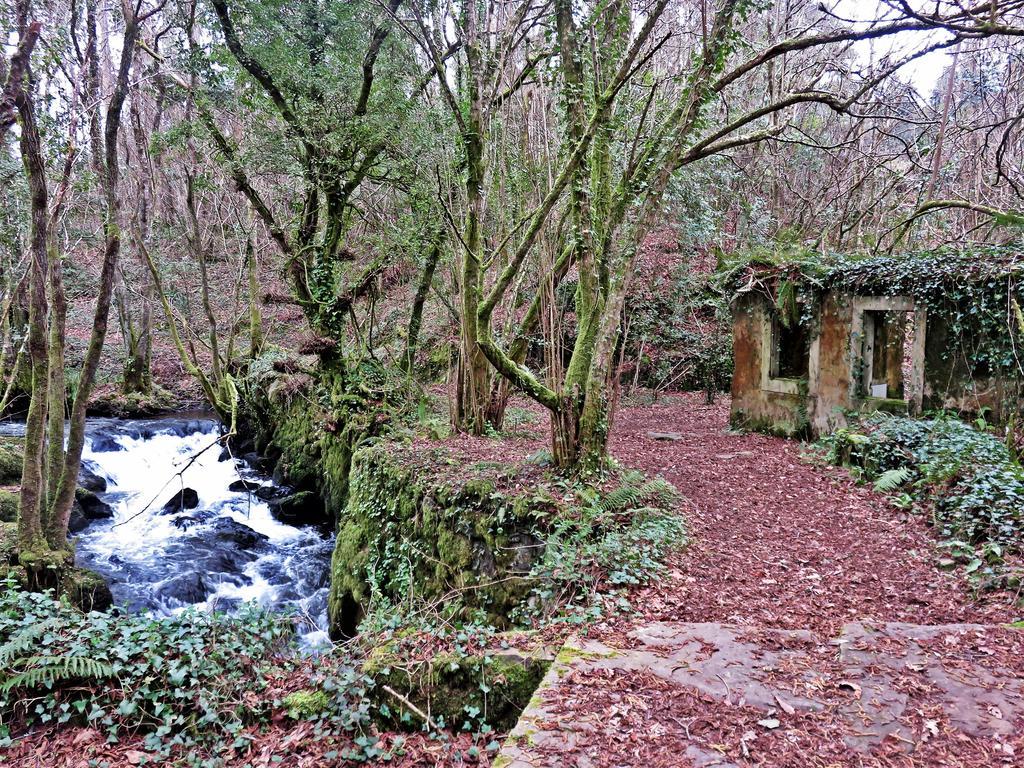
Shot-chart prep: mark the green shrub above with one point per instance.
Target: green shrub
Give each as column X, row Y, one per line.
column 974, row 485
column 196, row 673
column 612, row 539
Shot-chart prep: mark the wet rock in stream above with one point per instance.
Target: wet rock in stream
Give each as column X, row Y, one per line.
column 241, row 486
column 184, row 499
column 90, row 479
column 87, row 508
column 188, row 588
column 301, row 508
column 232, row 532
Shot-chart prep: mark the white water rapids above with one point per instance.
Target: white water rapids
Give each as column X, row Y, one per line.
column 227, row 550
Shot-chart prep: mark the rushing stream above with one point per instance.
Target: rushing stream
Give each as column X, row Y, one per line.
column 223, row 548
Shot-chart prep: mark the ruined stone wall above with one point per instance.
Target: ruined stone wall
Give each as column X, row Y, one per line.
column 411, row 529
column 951, row 384
column 833, row 388
column 754, row 407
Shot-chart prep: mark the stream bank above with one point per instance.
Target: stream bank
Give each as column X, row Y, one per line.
column 411, row 517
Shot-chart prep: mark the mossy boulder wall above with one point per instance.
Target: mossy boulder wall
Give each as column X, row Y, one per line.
column 454, row 688
column 411, row 529
column 304, row 427
column 407, row 523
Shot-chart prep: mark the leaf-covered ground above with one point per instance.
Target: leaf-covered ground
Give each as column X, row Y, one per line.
column 779, row 543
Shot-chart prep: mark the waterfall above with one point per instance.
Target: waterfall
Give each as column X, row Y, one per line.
column 221, row 548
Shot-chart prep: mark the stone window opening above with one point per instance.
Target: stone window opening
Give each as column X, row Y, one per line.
column 891, row 349
column 790, row 350
column 887, row 345
column 788, row 354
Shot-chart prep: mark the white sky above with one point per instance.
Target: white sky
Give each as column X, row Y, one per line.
column 924, row 72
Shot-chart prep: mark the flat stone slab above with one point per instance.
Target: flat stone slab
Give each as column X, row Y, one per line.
column 666, row 437
column 718, row 695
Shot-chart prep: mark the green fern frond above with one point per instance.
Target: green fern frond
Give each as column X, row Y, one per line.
column 893, row 479
column 39, row 671
column 24, row 641
column 635, row 490
column 786, row 303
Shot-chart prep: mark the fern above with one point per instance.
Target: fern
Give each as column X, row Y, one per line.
column 893, row 479
column 634, row 492
column 786, row 303
column 40, row 671
column 24, row 641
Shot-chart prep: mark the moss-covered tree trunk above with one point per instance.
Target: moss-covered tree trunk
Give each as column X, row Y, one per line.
column 57, row 386
column 472, row 389
column 33, row 486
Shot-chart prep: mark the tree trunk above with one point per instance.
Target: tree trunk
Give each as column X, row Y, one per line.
column 33, row 489
column 57, row 523
column 418, row 302
column 57, row 394
column 255, row 317
column 473, row 372
column 137, row 373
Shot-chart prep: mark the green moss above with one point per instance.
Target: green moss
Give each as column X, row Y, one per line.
column 312, row 435
column 777, row 428
column 8, row 507
column 407, row 530
column 134, row 404
column 305, row 704
column 454, row 688
column 10, row 464
column 886, row 405
column 570, row 653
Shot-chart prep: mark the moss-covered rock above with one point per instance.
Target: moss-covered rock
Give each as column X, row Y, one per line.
column 48, row 569
column 309, row 438
column 305, row 704
column 401, row 529
column 133, row 405
column 8, row 506
column 8, row 543
column 409, row 530
column 453, row 688
column 87, row 590
column 10, row 568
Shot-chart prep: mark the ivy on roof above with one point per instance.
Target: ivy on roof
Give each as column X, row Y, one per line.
column 918, row 273
column 928, row 274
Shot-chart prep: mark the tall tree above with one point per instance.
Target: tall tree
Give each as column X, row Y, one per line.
column 51, row 466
